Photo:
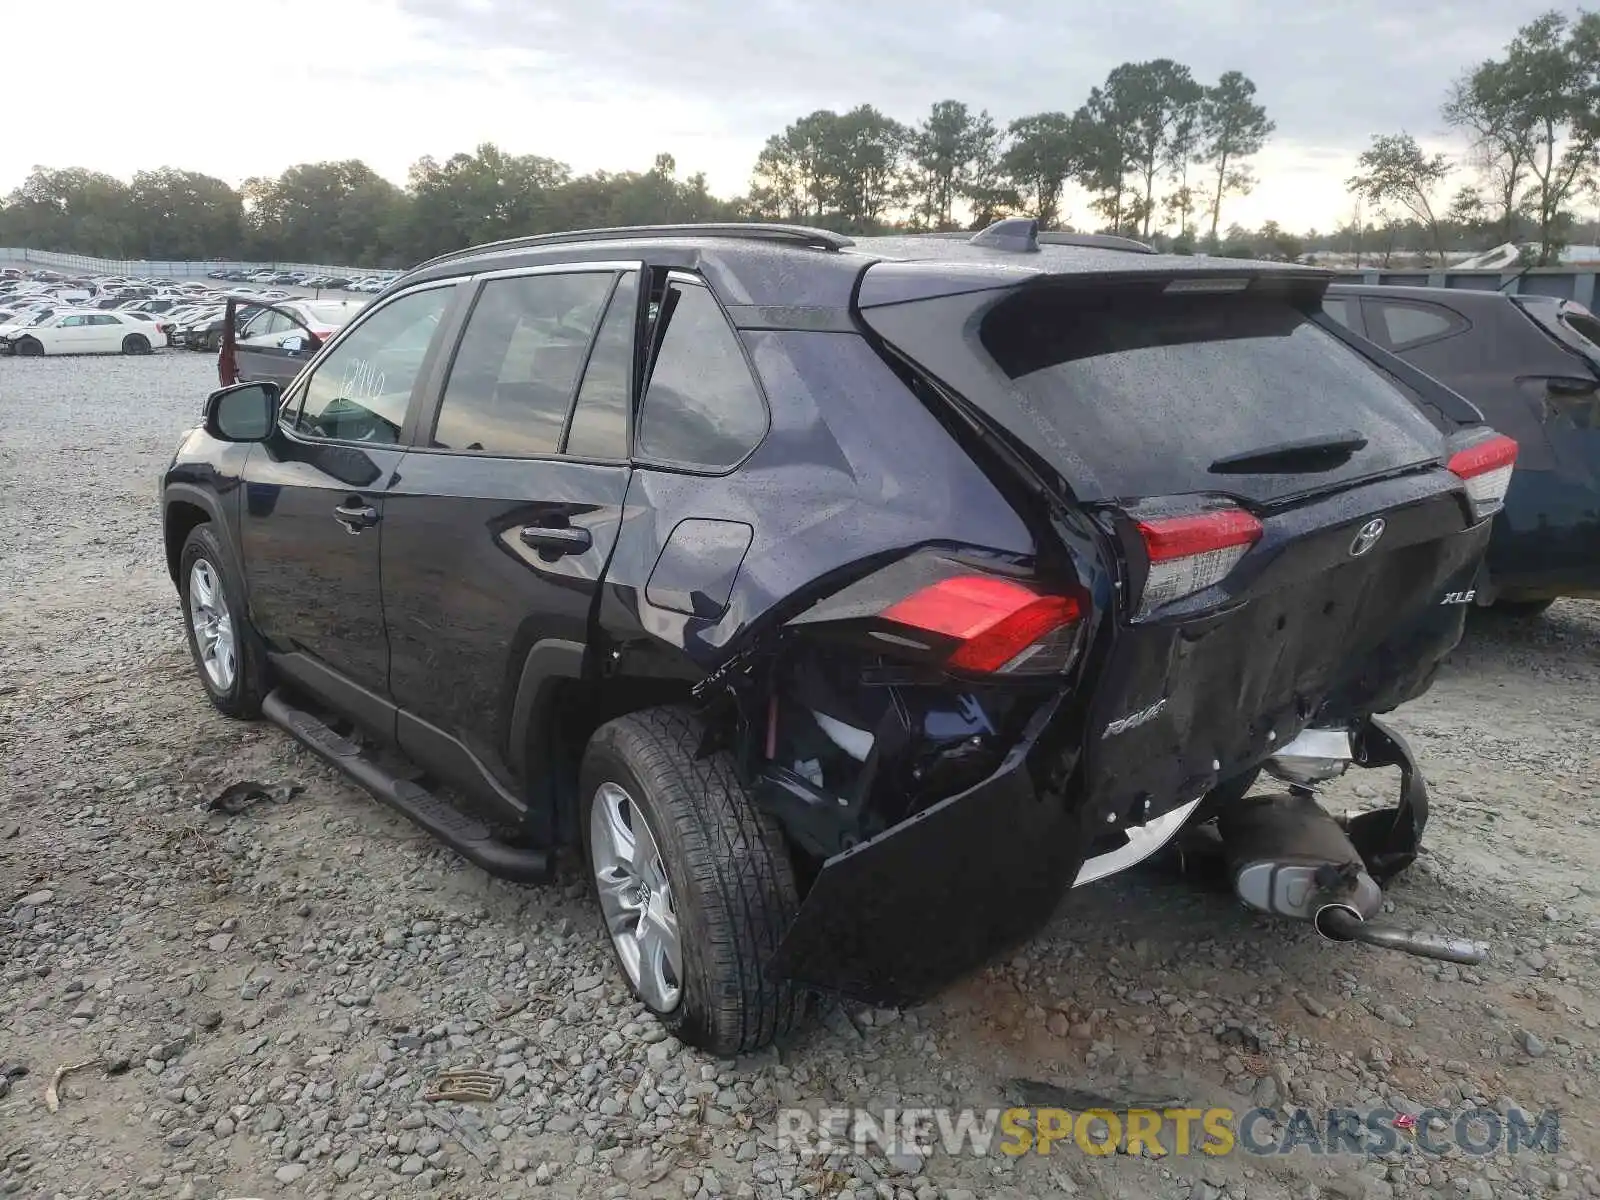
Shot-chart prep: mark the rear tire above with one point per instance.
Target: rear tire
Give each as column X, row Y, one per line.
column 723, row 864
column 228, row 655
column 136, row 343
column 30, row 347
column 1521, row 608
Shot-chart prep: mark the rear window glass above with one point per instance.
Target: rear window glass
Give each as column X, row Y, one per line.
column 1140, row 393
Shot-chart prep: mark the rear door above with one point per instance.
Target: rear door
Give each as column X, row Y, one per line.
column 500, row 521
column 312, row 515
column 110, row 330
column 1278, row 507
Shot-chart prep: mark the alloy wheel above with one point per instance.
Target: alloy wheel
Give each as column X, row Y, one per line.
column 635, row 897
column 213, row 625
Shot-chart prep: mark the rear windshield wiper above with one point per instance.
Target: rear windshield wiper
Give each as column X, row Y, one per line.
column 1321, row 453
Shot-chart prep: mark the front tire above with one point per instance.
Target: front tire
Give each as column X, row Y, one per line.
column 228, row 656
column 694, row 881
column 30, row 347
column 136, row 343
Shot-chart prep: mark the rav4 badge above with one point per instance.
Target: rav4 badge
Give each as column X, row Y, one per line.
column 1134, row 720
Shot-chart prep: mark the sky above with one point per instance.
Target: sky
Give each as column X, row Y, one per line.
column 236, row 90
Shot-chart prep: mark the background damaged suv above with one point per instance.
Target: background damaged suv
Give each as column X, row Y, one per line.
column 846, row 603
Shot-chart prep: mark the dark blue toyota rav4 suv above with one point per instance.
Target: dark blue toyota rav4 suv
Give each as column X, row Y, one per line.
column 844, row 603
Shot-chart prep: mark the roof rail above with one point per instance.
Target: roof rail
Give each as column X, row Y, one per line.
column 797, row 235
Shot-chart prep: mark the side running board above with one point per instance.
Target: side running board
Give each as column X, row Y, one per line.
column 464, row 834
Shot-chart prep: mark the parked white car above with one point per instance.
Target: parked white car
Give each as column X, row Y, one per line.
column 94, row 331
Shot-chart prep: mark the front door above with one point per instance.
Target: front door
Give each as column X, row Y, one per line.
column 499, row 527
column 76, row 334
column 312, row 513
column 273, row 345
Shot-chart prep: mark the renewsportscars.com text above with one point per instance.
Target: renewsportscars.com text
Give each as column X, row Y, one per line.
column 1166, row 1131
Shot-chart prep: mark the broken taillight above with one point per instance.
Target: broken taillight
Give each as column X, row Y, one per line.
column 1190, row 553
column 1485, row 467
column 1001, row 626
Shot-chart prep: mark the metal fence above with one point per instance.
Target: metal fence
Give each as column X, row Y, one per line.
column 82, row 264
column 1565, row 283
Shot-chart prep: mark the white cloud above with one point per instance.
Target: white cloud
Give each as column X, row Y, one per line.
column 240, row 90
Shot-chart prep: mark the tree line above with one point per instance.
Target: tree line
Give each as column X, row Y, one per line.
column 1532, row 122
column 341, row 212
column 1157, row 152
column 1154, row 148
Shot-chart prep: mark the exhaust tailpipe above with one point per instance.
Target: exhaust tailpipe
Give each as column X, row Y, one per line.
column 1341, row 923
column 1288, row 857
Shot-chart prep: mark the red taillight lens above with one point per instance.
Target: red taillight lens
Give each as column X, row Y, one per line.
column 1004, row 627
column 1485, row 467
column 1188, row 554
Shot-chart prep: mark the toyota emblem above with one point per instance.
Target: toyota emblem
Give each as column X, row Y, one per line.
column 1367, row 537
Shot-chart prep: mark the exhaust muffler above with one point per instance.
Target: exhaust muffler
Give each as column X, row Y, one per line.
column 1287, row 856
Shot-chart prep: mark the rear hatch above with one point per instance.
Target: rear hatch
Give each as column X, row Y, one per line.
column 1277, row 511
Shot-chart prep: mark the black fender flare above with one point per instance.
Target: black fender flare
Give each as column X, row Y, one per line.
column 550, row 662
column 211, row 504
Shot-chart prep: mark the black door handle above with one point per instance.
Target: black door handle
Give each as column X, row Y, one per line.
column 355, row 516
column 556, row 540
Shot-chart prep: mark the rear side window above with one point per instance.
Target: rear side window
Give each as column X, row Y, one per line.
column 518, row 363
column 1404, row 325
column 1137, row 394
column 702, row 407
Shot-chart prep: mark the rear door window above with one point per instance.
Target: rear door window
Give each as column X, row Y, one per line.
column 599, row 426
column 517, row 366
column 701, row 407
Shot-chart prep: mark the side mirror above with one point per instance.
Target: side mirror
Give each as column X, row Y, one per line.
column 294, row 343
column 245, row 412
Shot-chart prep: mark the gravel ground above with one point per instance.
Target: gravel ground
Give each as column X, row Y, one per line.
column 260, row 1000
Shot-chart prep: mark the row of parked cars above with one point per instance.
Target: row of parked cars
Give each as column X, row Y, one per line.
column 45, row 312
column 812, row 591
column 372, row 284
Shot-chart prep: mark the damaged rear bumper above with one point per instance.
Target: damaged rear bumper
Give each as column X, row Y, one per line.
column 896, row 918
